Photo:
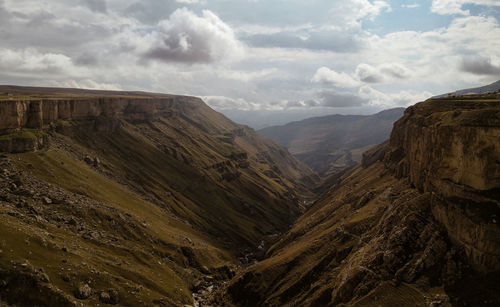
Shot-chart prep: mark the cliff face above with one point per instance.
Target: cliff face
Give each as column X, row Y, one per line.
column 33, row 113
column 416, row 223
column 451, row 149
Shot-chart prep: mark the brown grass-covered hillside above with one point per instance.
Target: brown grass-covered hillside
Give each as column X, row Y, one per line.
column 132, row 198
column 415, row 225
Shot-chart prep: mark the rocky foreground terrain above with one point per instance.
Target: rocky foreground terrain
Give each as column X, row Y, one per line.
column 416, row 224
column 132, row 198
column 330, row 144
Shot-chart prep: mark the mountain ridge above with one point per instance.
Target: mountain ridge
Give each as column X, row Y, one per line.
column 331, row 143
column 493, row 87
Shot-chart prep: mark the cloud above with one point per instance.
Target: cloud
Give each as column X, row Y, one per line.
column 368, row 74
column 394, row 70
column 315, row 39
column 246, row 76
column 191, row 1
column 386, row 100
column 86, row 59
column 32, row 61
column 95, row 5
column 351, row 13
column 448, row 7
column 411, row 6
column 364, row 73
column 188, row 38
column 333, row 99
column 41, row 27
column 326, row 75
column 86, row 84
column 227, row 103
column 479, row 66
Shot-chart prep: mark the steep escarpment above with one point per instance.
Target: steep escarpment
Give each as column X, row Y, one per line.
column 415, row 224
column 133, row 198
column 450, row 148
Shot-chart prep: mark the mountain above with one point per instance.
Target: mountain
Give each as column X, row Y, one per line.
column 416, row 224
column 329, row 144
column 493, row 87
column 132, row 198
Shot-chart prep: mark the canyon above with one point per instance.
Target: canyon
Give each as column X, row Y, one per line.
column 144, row 199
column 415, row 224
column 137, row 196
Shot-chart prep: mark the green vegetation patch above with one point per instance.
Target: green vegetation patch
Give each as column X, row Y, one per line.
column 29, row 134
column 62, row 123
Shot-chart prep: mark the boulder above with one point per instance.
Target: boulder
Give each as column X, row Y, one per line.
column 83, row 292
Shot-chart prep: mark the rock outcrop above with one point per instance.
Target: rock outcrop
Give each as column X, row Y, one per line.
column 37, row 113
column 451, row 149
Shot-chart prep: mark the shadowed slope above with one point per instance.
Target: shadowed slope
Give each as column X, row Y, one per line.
column 415, row 224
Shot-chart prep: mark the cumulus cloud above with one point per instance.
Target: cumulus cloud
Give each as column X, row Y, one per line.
column 334, row 99
column 394, row 70
column 445, row 7
column 368, row 74
column 326, row 75
column 351, row 13
column 386, row 100
column 32, row 61
column 479, row 66
column 364, row 73
column 188, row 38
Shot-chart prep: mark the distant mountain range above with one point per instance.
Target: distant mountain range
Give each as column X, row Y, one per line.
column 332, row 143
column 493, row 87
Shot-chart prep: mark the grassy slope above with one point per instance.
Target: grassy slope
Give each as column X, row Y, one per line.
column 158, row 213
column 131, row 264
column 336, row 252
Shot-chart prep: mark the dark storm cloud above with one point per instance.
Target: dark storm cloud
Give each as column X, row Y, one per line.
column 479, row 66
column 335, row 99
column 317, row 40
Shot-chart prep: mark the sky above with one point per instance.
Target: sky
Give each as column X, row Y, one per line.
column 261, row 62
